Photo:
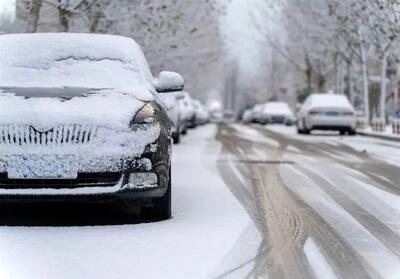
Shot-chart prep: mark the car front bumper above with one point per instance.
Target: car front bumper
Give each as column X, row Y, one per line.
column 154, row 160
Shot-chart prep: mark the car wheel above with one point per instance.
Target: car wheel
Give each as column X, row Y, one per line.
column 305, row 130
column 161, row 209
column 184, row 131
column 176, row 137
column 342, row 132
column 299, row 130
column 352, row 132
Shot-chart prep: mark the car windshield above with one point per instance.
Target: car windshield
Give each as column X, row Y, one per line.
column 68, row 61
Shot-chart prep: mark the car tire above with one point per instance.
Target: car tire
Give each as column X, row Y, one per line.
column 184, row 131
column 176, row 137
column 161, row 209
column 352, row 132
column 342, row 132
column 299, row 130
column 305, row 130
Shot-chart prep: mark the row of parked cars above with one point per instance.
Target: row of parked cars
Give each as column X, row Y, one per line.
column 318, row 112
column 184, row 112
column 269, row 113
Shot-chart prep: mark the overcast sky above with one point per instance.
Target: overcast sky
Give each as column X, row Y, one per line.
column 244, row 43
column 7, row 7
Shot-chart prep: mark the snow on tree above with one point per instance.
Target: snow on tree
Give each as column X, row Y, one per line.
column 336, row 40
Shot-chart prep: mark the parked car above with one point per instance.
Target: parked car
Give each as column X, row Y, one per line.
column 81, row 121
column 277, row 113
column 327, row 112
column 171, row 102
column 222, row 117
column 248, row 116
column 187, row 111
column 201, row 114
column 257, row 113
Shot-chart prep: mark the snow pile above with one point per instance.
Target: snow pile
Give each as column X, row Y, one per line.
column 73, row 60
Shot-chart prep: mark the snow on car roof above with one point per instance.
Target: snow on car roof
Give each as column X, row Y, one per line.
column 329, row 100
column 70, row 60
column 277, row 107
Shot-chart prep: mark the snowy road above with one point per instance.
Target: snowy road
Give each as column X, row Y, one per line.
column 329, row 205
column 248, row 202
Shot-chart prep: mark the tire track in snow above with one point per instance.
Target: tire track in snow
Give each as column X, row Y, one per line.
column 367, row 246
column 281, row 255
column 381, row 231
column 372, row 170
column 293, row 222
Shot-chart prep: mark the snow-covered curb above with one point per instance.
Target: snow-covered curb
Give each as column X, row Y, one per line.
column 381, row 135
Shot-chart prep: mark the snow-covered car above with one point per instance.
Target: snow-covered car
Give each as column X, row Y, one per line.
column 257, row 113
column 171, row 102
column 247, row 116
column 81, row 120
column 222, row 117
column 326, row 112
column 277, row 113
column 187, row 111
column 200, row 113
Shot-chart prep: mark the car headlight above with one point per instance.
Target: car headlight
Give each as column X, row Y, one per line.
column 145, row 115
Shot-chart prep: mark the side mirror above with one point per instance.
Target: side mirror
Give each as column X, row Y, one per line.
column 169, row 82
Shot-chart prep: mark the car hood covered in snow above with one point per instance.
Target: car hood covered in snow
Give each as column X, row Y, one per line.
column 51, row 107
column 93, row 131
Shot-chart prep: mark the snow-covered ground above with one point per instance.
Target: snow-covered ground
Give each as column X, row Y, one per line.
column 210, row 233
column 378, row 148
column 350, row 182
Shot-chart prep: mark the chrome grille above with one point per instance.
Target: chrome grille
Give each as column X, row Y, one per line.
column 102, row 179
column 63, row 134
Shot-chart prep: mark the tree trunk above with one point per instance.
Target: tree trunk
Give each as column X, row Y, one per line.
column 64, row 19
column 308, row 73
column 383, row 87
column 396, row 100
column 321, row 83
column 33, row 17
column 340, row 80
column 336, row 73
column 365, row 83
column 350, row 81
